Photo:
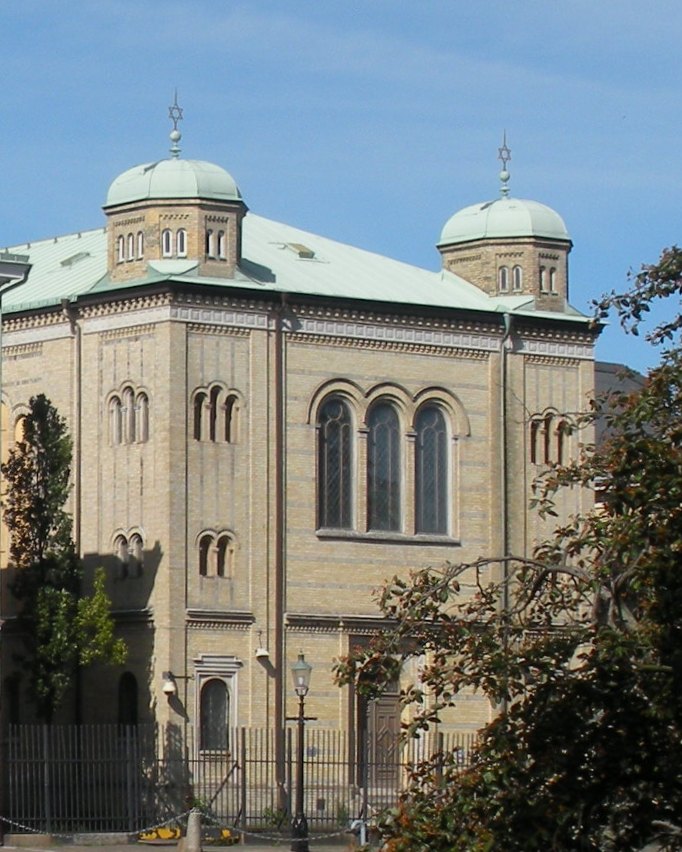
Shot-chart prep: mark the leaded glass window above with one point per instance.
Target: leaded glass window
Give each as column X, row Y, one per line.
column 383, row 469
column 214, row 715
column 334, row 465
column 431, row 474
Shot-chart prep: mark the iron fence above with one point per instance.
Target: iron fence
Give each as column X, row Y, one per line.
column 106, row 778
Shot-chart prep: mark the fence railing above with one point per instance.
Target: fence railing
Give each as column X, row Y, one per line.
column 97, row 778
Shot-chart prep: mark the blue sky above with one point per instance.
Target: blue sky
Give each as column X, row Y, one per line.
column 369, row 122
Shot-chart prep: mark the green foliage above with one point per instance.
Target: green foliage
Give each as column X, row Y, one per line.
column 61, row 628
column 584, row 662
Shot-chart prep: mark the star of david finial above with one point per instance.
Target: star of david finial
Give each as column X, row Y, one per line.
column 504, row 156
column 175, row 115
column 175, row 112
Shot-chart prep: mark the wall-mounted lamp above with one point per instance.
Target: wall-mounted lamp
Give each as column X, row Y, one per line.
column 168, row 685
column 262, row 653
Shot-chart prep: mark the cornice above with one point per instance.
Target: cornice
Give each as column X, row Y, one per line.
column 142, row 329
column 204, row 619
column 388, row 346
column 309, row 622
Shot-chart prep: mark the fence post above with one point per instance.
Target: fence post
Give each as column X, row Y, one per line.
column 47, row 788
column 242, row 778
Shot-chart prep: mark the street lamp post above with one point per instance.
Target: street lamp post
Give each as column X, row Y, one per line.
column 299, row 824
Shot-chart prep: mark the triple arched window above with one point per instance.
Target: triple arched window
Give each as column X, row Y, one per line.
column 215, row 414
column 547, row 439
column 128, row 416
column 406, row 469
column 130, row 247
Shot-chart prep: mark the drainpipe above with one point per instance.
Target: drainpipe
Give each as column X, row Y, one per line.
column 70, row 314
column 505, row 347
column 280, row 549
column 14, row 271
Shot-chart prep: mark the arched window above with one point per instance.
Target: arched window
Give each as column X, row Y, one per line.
column 543, row 279
column 123, row 555
column 167, row 243
column 210, row 247
column 181, row 242
column 547, row 439
column 115, row 420
column 503, row 279
column 142, row 418
column 231, row 419
column 214, row 715
column 140, row 245
column 224, row 556
column 383, row 469
column 213, row 412
column 431, row 474
column 127, row 699
column 334, row 462
column 221, row 245
column 120, row 249
column 517, row 278
column 199, row 404
column 131, row 247
column 128, row 411
column 135, row 556
column 552, row 280
column 205, row 547
column 534, row 437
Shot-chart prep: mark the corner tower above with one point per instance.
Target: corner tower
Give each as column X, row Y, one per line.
column 510, row 247
column 174, row 215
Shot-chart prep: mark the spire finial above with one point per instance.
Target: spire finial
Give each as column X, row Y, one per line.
column 175, row 114
column 504, row 157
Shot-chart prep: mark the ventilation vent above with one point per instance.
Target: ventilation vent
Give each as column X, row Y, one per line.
column 69, row 261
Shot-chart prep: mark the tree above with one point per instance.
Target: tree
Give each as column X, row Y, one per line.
column 585, row 660
column 61, row 629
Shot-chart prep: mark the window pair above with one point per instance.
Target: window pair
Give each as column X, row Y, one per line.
column 547, row 438
column 503, row 279
column 384, row 474
column 174, row 244
column 216, row 555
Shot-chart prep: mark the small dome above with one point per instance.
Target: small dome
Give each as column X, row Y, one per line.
column 173, row 178
column 504, row 217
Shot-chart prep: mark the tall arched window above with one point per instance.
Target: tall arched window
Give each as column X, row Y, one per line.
column 214, row 715
column 334, row 463
column 142, row 418
column 431, row 473
column 517, row 278
column 205, row 548
column 210, row 247
column 135, row 555
column 199, row 403
column 181, row 242
column 214, row 412
column 224, row 556
column 552, row 280
column 120, row 249
column 140, row 245
column 543, row 279
column 131, row 247
column 383, row 469
column 127, row 699
column 503, row 279
column 123, row 555
column 167, row 242
column 231, row 419
column 115, row 420
column 221, row 245
column 128, row 411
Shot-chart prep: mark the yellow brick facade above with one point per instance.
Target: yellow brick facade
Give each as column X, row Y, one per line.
column 247, row 498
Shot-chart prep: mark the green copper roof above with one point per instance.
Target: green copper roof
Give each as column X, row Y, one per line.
column 173, row 178
column 505, row 217
column 275, row 258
